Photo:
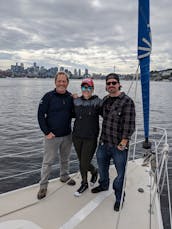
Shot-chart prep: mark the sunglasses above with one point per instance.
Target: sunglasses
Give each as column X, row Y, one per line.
column 113, row 83
column 84, row 88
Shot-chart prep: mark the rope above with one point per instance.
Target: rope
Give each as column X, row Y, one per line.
column 134, row 78
column 126, row 168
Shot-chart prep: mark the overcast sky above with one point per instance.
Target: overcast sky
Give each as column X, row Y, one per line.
column 93, row 34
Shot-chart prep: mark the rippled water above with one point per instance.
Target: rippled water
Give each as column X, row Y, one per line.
column 20, row 132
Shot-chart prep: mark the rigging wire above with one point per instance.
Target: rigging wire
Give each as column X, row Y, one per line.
column 32, row 171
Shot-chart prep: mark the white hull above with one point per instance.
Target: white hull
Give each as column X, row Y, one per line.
column 61, row 209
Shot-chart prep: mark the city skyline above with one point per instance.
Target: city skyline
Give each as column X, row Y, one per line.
column 34, row 70
column 92, row 34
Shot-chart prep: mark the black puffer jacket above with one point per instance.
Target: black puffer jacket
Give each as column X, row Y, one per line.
column 87, row 112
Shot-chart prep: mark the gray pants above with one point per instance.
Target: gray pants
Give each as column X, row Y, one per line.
column 52, row 147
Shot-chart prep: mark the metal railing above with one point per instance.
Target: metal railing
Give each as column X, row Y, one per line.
column 159, row 173
column 160, row 150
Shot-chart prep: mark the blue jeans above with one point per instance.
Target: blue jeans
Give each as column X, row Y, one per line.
column 104, row 155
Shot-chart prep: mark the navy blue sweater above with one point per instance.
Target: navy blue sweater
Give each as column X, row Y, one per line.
column 55, row 113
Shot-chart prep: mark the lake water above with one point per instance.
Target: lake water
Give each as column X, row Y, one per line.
column 20, row 133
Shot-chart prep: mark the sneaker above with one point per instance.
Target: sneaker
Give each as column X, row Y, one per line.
column 98, row 189
column 93, row 178
column 42, row 193
column 68, row 181
column 82, row 188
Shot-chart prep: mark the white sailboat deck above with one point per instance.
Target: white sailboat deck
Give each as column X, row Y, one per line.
column 61, row 209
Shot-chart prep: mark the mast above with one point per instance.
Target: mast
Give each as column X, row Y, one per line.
column 144, row 50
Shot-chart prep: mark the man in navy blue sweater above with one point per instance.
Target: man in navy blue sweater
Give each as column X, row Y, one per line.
column 54, row 117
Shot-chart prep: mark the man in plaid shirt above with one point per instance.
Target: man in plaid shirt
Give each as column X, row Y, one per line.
column 118, row 125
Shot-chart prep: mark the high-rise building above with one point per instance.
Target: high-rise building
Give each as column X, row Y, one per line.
column 86, row 74
column 61, row 69
column 79, row 72
column 86, row 71
column 114, row 68
column 75, row 72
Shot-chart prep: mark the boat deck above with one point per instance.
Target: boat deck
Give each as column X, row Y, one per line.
column 61, row 209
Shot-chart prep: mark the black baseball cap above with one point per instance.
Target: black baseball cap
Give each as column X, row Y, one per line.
column 112, row 76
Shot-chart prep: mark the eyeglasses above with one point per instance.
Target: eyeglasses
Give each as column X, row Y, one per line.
column 112, row 82
column 84, row 88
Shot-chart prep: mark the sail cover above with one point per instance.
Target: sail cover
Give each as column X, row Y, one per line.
column 144, row 50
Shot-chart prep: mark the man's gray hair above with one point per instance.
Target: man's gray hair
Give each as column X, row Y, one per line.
column 62, row 73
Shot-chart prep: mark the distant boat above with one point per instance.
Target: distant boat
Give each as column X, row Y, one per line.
column 141, row 209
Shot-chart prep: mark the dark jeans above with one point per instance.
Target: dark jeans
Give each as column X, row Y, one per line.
column 85, row 149
column 104, row 155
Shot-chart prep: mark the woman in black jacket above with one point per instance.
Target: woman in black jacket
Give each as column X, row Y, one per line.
column 86, row 131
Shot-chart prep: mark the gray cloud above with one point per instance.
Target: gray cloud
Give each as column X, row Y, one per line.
column 94, row 33
column 5, row 56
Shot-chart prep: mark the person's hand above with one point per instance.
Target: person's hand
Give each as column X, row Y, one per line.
column 123, row 145
column 50, row 136
column 75, row 96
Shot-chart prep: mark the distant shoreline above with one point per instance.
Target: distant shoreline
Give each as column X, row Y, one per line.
column 154, row 79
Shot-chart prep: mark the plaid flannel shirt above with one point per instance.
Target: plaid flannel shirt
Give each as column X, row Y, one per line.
column 118, row 119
